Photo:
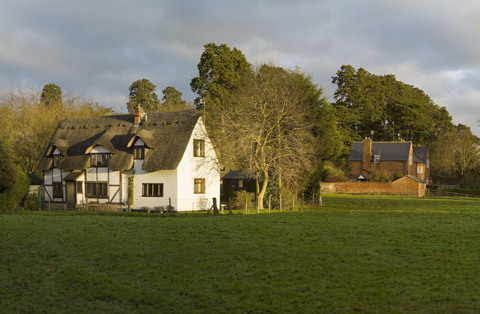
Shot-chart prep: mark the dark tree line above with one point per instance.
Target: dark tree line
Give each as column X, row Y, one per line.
column 393, row 110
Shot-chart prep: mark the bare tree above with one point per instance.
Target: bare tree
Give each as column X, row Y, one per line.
column 456, row 156
column 269, row 130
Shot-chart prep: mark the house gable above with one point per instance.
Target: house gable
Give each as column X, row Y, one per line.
column 393, row 157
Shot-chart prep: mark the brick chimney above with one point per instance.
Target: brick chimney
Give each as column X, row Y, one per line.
column 367, row 155
column 138, row 114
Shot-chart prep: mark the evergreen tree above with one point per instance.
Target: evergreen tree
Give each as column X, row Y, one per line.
column 51, row 95
column 171, row 96
column 221, row 71
column 393, row 110
column 172, row 100
column 143, row 92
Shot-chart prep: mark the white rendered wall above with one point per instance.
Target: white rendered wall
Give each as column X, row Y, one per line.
column 167, row 177
column 191, row 167
column 81, row 196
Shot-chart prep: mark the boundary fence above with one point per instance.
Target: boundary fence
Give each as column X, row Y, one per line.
column 451, row 194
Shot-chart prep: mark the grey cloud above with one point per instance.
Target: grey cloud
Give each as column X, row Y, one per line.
column 98, row 48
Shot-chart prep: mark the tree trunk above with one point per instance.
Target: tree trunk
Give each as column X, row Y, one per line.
column 320, row 193
column 262, row 192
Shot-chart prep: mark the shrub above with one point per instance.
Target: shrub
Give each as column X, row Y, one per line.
column 31, row 202
column 35, row 178
column 379, row 176
column 241, row 197
column 287, row 197
column 333, row 174
column 13, row 196
column 397, row 175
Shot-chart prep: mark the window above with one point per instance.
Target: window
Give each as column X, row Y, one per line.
column 199, row 186
column 79, row 187
column 152, row 190
column 99, row 160
column 428, row 163
column 198, row 148
column 97, row 189
column 56, row 160
column 139, row 152
column 409, row 160
column 376, row 159
column 57, row 190
column 240, row 183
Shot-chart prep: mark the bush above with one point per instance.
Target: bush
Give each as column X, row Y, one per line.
column 287, row 197
column 333, row 174
column 31, row 202
column 241, row 197
column 397, row 175
column 379, row 176
column 35, row 178
column 14, row 196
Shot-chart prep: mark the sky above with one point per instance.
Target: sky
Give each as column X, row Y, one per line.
column 97, row 48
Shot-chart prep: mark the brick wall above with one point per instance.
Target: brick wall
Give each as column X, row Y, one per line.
column 403, row 186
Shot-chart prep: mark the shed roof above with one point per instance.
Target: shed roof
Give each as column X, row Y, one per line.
column 165, row 134
column 238, row 175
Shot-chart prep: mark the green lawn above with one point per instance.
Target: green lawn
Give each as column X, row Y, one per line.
column 355, row 254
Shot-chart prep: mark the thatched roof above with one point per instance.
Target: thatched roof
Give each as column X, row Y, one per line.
column 165, row 134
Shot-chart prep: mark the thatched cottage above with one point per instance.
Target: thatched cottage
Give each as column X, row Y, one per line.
column 138, row 161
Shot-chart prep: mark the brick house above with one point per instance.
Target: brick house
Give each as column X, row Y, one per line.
column 393, row 157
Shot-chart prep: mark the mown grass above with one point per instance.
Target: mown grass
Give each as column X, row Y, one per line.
column 355, row 254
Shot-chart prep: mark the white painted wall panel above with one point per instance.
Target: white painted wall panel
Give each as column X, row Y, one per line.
column 192, row 167
column 114, row 177
column 81, row 196
column 47, row 177
column 48, row 195
column 102, row 174
column 91, row 174
column 57, row 175
column 114, row 194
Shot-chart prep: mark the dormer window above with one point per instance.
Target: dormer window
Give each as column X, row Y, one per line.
column 56, row 160
column 376, row 159
column 139, row 152
column 99, row 160
column 198, row 148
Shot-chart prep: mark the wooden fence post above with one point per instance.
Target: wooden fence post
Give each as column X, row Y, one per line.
column 269, row 203
column 320, row 194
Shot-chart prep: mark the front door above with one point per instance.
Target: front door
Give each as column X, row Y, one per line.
column 71, row 195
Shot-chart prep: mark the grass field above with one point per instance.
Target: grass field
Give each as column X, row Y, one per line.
column 355, row 254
